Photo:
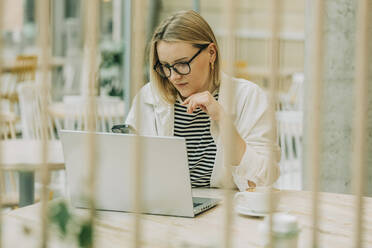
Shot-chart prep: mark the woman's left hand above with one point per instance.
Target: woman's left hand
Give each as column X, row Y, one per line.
column 206, row 102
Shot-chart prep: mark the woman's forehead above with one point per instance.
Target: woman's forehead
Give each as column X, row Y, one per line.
column 172, row 51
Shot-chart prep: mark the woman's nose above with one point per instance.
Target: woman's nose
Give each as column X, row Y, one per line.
column 174, row 75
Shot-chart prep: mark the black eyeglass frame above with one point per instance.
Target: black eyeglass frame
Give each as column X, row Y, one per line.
column 169, row 67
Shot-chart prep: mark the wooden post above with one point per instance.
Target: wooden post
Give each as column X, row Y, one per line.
column 91, row 21
column 1, row 148
column 138, row 43
column 313, row 149
column 359, row 156
column 227, row 89
column 274, row 81
column 43, row 17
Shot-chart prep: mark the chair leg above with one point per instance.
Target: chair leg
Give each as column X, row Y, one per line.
column 26, row 188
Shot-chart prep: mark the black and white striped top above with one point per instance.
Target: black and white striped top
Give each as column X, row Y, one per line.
column 201, row 149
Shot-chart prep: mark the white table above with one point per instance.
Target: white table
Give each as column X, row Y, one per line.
column 25, row 157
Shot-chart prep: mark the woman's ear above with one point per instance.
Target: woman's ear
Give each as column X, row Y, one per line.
column 212, row 50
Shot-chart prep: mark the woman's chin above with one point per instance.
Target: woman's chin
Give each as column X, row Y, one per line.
column 184, row 94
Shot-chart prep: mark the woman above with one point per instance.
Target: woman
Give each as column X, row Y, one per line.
column 183, row 100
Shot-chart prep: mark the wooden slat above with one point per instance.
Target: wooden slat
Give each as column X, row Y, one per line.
column 273, row 87
column 1, row 171
column 315, row 111
column 359, row 156
column 227, row 88
column 138, row 43
column 91, row 21
column 43, row 17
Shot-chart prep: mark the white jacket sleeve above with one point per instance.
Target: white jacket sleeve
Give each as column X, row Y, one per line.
column 141, row 114
column 254, row 125
column 132, row 117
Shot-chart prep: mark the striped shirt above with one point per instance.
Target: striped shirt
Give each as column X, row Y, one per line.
column 201, row 149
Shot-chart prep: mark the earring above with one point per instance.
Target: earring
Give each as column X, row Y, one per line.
column 212, row 66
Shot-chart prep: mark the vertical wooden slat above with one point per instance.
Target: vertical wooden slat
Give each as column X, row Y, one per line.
column 91, row 36
column 274, row 81
column 313, row 149
column 43, row 17
column 274, row 62
column 1, row 149
column 226, row 91
column 358, row 162
column 138, row 42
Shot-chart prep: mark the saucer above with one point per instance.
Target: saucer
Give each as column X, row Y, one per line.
column 245, row 211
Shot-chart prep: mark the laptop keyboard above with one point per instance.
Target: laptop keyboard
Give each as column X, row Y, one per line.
column 197, row 204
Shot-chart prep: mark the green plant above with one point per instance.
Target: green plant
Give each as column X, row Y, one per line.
column 60, row 215
column 110, row 68
column 71, row 226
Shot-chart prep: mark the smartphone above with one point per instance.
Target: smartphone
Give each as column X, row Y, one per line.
column 124, row 128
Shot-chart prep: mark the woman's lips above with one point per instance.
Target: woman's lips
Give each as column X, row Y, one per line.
column 181, row 85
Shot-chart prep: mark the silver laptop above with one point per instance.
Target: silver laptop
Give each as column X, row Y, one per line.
column 165, row 173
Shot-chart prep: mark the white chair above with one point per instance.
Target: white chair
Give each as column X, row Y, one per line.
column 23, row 69
column 293, row 99
column 7, row 91
column 7, row 125
column 30, row 102
column 109, row 111
column 8, row 183
column 289, row 124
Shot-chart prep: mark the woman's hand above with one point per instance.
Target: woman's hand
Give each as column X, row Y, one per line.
column 206, row 102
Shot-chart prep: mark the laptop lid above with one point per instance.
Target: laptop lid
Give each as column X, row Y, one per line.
column 165, row 181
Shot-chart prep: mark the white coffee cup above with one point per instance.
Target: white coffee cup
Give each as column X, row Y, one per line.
column 258, row 201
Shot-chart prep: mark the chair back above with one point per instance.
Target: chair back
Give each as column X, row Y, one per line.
column 7, row 125
column 289, row 124
column 8, row 185
column 293, row 98
column 109, row 111
column 30, row 102
column 25, row 68
column 8, row 91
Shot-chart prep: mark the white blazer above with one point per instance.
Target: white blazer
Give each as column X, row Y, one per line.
column 252, row 121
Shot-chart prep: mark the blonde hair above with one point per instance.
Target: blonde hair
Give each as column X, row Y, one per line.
column 184, row 26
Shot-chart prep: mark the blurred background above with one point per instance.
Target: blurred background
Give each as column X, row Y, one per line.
column 253, row 33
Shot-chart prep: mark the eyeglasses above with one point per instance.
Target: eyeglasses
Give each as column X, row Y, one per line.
column 182, row 68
